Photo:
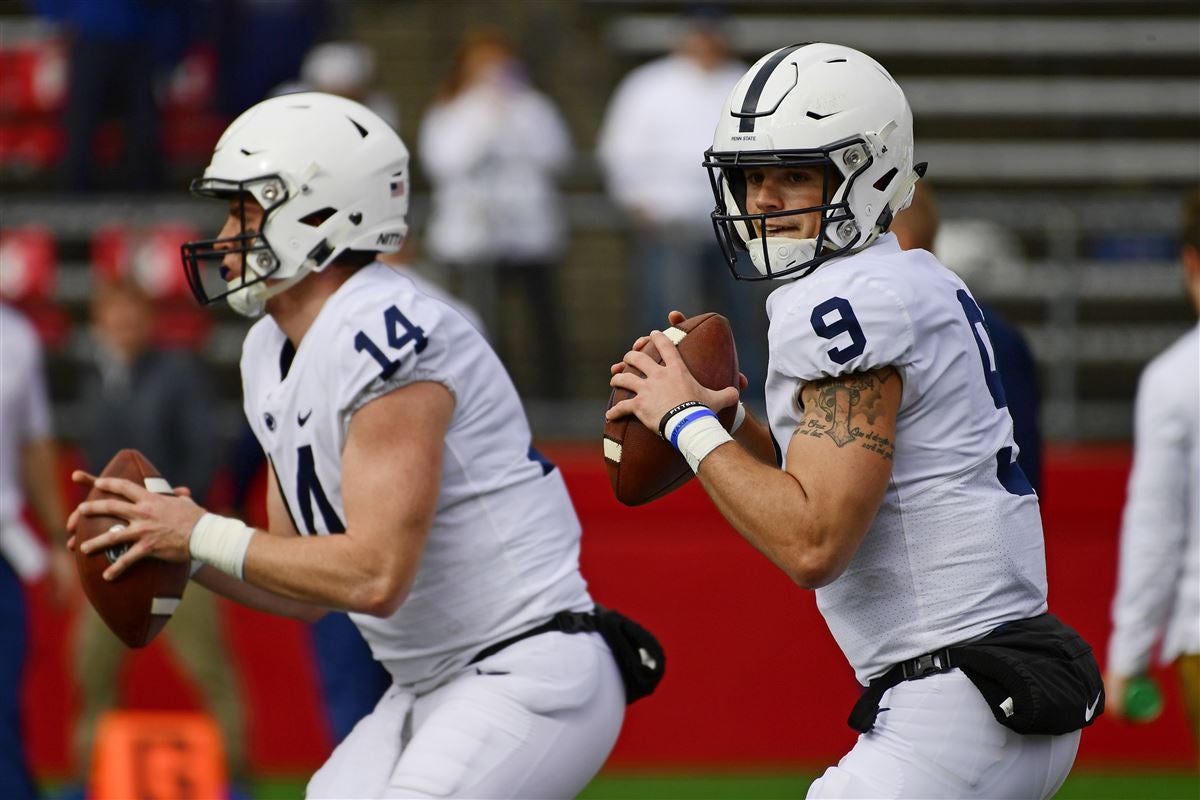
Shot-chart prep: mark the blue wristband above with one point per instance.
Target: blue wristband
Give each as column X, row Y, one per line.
column 690, row 418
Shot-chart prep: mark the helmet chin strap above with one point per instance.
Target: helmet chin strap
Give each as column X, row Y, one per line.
column 896, row 204
column 251, row 301
column 781, row 251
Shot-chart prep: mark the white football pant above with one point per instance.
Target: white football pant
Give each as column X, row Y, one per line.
column 939, row 739
column 536, row 720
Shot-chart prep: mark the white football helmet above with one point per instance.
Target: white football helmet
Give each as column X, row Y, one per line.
column 331, row 177
column 811, row 105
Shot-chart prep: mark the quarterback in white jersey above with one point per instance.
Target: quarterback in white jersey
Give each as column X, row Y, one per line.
column 404, row 487
column 892, row 487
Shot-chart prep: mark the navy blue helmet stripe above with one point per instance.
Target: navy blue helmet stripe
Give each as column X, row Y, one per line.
column 750, row 103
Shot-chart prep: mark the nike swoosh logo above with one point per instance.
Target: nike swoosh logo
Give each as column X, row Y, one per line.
column 303, row 418
column 1090, row 711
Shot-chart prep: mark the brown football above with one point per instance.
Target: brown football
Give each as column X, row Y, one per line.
column 642, row 466
column 139, row 603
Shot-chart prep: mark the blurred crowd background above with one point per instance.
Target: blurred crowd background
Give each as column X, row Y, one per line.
column 1062, row 139
column 557, row 190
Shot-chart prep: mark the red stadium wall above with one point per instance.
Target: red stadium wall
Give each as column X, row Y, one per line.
column 753, row 677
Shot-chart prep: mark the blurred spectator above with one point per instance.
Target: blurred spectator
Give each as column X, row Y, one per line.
column 978, row 250
column 346, row 69
column 158, row 402
column 28, row 472
column 492, row 147
column 655, row 131
column 117, row 49
column 1158, row 585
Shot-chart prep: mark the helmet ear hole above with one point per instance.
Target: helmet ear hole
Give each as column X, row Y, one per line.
column 317, row 218
column 885, row 180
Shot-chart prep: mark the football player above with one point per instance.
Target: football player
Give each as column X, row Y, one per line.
column 401, row 455
column 898, row 496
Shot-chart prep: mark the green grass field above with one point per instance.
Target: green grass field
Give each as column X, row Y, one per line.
column 777, row 786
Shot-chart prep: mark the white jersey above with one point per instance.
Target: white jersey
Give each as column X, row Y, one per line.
column 503, row 552
column 24, row 418
column 956, row 548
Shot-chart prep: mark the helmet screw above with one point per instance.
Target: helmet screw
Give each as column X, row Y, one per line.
column 847, row 229
column 270, row 191
column 263, row 259
column 852, row 157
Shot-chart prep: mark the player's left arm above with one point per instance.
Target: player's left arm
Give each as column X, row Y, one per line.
column 811, row 518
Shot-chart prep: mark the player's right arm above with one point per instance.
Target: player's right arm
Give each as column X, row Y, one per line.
column 279, row 524
column 391, row 476
column 391, row 473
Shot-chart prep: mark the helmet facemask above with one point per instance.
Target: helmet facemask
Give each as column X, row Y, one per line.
column 203, row 259
column 842, row 164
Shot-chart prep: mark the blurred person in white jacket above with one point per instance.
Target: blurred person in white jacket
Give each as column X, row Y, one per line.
column 1158, row 585
column 493, row 148
column 656, row 125
column 28, row 474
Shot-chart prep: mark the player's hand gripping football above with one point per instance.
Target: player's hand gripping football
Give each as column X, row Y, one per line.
column 159, row 525
column 665, row 385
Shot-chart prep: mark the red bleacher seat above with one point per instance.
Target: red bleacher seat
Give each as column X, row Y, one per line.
column 33, row 75
column 28, row 279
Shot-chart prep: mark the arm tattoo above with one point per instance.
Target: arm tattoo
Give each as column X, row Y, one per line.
column 845, row 409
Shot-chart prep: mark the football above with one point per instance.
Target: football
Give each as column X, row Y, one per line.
column 642, row 466
column 139, row 603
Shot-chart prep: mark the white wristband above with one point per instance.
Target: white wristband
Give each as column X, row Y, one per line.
column 221, row 542
column 739, row 417
column 699, row 438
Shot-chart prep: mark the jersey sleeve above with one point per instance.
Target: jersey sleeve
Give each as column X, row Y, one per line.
column 389, row 342
column 837, row 328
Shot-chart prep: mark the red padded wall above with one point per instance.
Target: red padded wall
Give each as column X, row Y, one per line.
column 753, row 676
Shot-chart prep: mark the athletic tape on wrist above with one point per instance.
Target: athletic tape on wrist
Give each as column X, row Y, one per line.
column 666, row 418
column 739, row 417
column 698, row 438
column 679, row 422
column 221, row 542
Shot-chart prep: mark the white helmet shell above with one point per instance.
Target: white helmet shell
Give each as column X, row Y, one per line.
column 811, row 104
column 331, row 176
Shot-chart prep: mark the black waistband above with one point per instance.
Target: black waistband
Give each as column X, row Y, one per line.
column 562, row 622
